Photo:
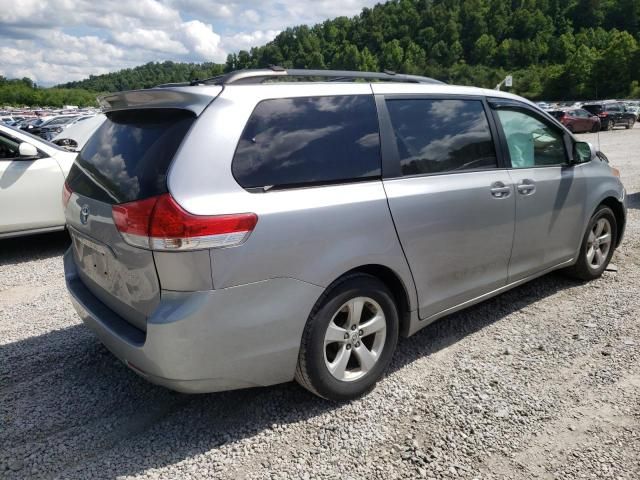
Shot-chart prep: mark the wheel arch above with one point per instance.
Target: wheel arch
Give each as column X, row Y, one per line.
column 618, row 210
column 394, row 283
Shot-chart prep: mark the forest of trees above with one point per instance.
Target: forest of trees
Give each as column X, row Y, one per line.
column 21, row 92
column 555, row 49
column 147, row 75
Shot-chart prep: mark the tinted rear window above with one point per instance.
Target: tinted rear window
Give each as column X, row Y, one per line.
column 435, row 136
column 556, row 113
column 291, row 142
column 595, row 109
column 127, row 158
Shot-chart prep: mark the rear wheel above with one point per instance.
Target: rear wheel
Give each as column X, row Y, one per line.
column 349, row 339
column 597, row 245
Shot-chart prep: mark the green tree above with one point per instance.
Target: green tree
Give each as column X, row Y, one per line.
column 392, row 55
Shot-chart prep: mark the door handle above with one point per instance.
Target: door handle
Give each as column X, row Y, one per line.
column 527, row 187
column 500, row 190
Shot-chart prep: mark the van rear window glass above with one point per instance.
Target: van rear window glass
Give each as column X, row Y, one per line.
column 291, row 142
column 128, row 157
column 435, row 136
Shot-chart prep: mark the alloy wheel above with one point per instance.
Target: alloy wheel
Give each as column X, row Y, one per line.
column 598, row 244
column 354, row 339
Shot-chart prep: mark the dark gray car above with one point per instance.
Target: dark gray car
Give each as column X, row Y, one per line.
column 245, row 231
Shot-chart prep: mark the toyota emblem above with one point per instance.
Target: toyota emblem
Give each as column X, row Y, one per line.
column 84, row 214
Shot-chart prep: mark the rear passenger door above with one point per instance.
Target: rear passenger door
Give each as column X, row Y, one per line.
column 452, row 203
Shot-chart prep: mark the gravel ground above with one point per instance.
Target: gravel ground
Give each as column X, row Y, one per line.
column 540, row 382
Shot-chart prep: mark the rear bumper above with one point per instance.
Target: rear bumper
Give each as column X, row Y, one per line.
column 207, row 341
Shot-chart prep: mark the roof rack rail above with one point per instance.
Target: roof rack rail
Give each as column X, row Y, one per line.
column 255, row 76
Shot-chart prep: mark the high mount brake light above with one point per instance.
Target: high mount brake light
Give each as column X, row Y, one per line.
column 159, row 223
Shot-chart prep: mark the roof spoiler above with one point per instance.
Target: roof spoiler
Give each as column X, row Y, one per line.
column 159, row 98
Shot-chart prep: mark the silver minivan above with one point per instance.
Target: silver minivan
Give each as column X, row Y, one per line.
column 271, row 225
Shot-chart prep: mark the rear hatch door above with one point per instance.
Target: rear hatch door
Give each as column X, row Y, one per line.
column 126, row 160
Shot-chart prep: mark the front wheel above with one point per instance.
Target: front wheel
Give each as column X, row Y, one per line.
column 610, row 125
column 349, row 339
column 629, row 124
column 597, row 245
column 595, row 128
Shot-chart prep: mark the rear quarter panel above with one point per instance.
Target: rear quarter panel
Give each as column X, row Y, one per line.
column 310, row 234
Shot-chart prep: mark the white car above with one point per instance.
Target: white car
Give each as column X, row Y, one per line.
column 76, row 135
column 32, row 173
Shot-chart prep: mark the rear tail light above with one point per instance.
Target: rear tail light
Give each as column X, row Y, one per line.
column 603, row 114
column 66, row 194
column 159, row 223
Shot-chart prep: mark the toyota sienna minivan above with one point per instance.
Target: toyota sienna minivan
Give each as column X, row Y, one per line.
column 271, row 225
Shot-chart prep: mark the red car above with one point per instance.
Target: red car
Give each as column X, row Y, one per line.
column 577, row 120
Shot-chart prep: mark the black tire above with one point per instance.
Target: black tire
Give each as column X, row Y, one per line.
column 610, row 125
column 582, row 270
column 595, row 128
column 629, row 124
column 312, row 373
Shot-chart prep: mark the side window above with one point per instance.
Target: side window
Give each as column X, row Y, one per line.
column 435, row 136
column 8, row 148
column 298, row 141
column 531, row 143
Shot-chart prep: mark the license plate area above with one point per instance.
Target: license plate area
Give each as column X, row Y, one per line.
column 93, row 258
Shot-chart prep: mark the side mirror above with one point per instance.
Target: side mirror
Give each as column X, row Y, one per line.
column 25, row 149
column 583, row 152
column 67, row 143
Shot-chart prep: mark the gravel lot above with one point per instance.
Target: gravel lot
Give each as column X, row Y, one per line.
column 540, row 382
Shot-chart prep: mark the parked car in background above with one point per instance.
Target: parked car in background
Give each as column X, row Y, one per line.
column 244, row 233
column 612, row 114
column 32, row 173
column 34, row 126
column 577, row 120
column 635, row 109
column 57, row 126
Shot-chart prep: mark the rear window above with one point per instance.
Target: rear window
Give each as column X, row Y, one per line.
column 435, row 136
column 127, row 158
column 556, row 113
column 291, row 142
column 595, row 109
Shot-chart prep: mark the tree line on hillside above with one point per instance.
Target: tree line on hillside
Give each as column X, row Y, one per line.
column 23, row 92
column 555, row 49
column 148, row 75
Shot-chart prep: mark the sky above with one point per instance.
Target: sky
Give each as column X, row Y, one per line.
column 56, row 41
